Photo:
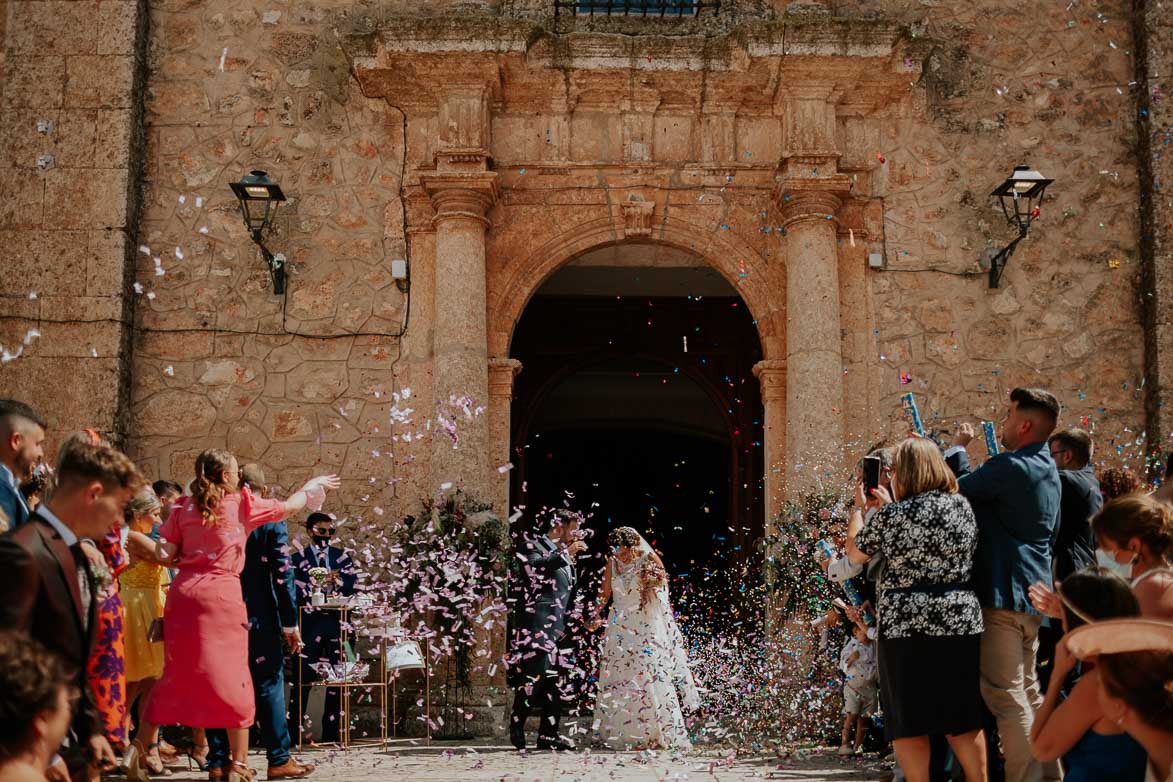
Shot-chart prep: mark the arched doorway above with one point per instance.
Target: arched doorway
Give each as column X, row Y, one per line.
column 637, row 403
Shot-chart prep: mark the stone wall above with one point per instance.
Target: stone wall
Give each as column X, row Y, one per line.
column 69, row 129
column 1052, row 87
column 235, row 88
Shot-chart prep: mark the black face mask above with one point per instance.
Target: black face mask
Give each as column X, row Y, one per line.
column 321, row 539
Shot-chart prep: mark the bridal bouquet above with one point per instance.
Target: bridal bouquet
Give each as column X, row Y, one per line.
column 651, row 577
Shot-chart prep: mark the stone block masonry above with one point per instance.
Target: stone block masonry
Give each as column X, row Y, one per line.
column 71, row 151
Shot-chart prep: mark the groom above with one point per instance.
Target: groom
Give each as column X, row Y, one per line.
column 542, row 595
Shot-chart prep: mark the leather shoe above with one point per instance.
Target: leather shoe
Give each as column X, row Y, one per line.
column 218, row 774
column 290, row 769
column 555, row 743
column 517, row 736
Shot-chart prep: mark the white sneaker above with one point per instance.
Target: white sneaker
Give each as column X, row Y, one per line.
column 845, row 749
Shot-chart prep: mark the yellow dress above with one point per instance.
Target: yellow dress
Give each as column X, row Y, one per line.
column 142, row 603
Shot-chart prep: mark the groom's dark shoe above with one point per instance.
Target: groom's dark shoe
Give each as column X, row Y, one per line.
column 555, row 743
column 517, row 735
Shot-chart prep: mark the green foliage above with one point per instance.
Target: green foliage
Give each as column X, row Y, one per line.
column 450, row 571
column 792, row 574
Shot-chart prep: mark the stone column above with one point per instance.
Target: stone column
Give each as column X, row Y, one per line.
column 771, row 373
column 502, row 371
column 460, row 328
column 814, row 360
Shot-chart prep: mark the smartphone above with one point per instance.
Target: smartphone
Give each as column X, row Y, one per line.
column 871, row 474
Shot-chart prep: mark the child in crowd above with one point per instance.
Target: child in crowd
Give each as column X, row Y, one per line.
column 858, row 662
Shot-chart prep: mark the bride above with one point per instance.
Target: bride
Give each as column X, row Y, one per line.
column 643, row 670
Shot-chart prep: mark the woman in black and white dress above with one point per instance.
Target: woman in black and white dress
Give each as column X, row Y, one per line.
column 930, row 622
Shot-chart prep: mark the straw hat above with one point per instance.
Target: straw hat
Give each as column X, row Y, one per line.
column 1121, row 635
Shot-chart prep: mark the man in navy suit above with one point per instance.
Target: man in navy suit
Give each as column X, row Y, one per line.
column 1075, row 545
column 322, row 630
column 267, row 585
column 22, row 438
column 541, row 596
column 1016, row 498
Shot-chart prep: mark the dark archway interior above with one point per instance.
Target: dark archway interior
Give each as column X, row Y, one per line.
column 636, row 403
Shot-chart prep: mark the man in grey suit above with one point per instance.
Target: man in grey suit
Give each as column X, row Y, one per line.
column 540, row 595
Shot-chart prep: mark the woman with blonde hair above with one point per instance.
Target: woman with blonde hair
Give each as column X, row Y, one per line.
column 930, row 622
column 142, row 604
column 206, row 681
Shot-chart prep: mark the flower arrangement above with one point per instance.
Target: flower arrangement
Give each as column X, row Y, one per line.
column 651, row 577
column 319, row 579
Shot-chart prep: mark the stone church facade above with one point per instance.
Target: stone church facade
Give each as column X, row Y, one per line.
column 489, row 143
column 787, row 145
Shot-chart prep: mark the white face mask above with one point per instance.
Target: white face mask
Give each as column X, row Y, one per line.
column 1108, row 561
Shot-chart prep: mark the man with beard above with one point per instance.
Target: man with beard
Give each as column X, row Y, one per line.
column 22, row 439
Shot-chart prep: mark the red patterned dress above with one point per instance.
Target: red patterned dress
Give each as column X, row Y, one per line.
column 106, row 670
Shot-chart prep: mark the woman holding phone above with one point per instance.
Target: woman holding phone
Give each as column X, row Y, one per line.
column 929, row 619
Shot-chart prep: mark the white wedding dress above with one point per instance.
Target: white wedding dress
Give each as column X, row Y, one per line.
column 644, row 677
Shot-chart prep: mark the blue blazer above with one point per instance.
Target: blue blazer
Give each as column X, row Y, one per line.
column 12, row 505
column 1015, row 497
column 267, row 579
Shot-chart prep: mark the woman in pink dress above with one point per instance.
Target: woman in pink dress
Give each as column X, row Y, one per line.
column 206, row 681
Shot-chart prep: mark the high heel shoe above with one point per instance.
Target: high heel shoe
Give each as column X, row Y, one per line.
column 133, row 760
column 197, row 754
column 240, row 772
column 167, row 753
column 154, row 761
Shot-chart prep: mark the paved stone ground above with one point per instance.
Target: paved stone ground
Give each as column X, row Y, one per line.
column 483, row 762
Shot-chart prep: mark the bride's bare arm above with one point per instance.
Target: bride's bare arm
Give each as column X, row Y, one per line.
column 605, row 587
column 604, row 594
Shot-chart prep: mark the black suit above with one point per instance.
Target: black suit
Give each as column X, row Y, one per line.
column 1075, row 546
column 42, row 598
column 321, row 632
column 539, row 603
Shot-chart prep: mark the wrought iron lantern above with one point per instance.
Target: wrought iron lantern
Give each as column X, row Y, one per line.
column 259, row 198
column 1021, row 196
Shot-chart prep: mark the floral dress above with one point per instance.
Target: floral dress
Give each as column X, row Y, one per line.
column 930, row 622
column 929, row 542
column 106, row 669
